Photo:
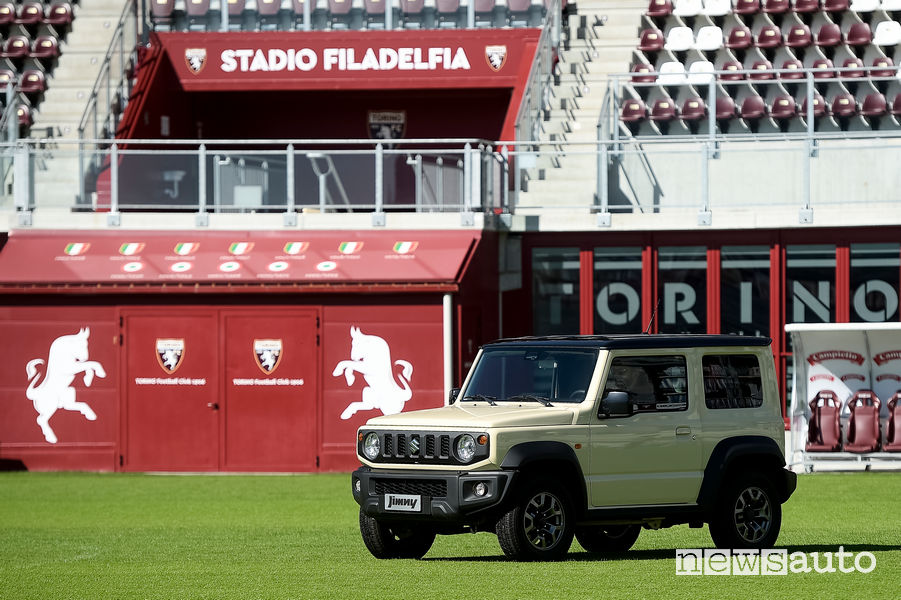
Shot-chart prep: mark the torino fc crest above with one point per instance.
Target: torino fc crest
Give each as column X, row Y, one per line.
column 170, row 353
column 195, row 58
column 268, row 354
column 496, row 57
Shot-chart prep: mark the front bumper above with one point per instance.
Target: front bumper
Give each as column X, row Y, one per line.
column 790, row 483
column 444, row 497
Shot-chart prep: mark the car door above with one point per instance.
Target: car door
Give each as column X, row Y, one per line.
column 654, row 455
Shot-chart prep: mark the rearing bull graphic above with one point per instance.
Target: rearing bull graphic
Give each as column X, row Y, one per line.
column 371, row 357
column 68, row 356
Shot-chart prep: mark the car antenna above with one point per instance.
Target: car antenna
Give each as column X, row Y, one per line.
column 653, row 314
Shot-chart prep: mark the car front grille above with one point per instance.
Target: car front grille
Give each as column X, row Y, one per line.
column 434, row 488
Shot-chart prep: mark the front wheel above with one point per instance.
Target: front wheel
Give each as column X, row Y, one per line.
column 608, row 538
column 386, row 540
column 539, row 526
column 747, row 514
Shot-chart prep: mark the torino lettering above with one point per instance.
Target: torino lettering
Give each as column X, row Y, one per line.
column 249, row 60
column 679, row 300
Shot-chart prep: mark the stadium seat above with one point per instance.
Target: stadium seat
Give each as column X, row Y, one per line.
column 709, row 38
column 890, row 6
column 198, row 12
column 650, row 40
column 60, row 16
column 769, row 37
column 753, row 108
column 486, row 14
column 659, row 8
column 874, row 105
column 794, row 66
column 776, row 7
column 33, row 84
column 807, row 6
column 7, row 13
column 270, row 16
column 819, row 107
column 844, row 106
column 700, row 72
column 863, row 425
column 16, row 47
column 725, row 111
column 823, row 430
column 864, row 6
column 413, row 14
column 8, row 76
column 761, row 70
column 746, row 7
column 717, row 8
column 339, row 14
column 687, row 8
column 852, row 68
column 679, row 39
column 633, row 111
column 893, row 427
column 740, row 38
column 835, row 5
column 784, row 108
column 31, row 14
column 823, row 68
column 449, row 15
column 162, row 14
column 236, row 15
column 664, row 110
column 672, row 73
column 732, row 71
column 887, row 33
column 859, row 35
column 639, row 73
column 829, row 35
column 45, row 48
column 374, row 14
column 798, row 36
column 693, row 109
column 886, row 68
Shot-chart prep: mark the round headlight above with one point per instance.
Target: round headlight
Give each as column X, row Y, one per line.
column 466, row 447
column 371, row 446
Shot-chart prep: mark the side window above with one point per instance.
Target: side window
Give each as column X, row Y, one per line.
column 732, row 381
column 654, row 383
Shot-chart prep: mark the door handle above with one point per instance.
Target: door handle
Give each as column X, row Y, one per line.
column 212, row 405
column 683, row 430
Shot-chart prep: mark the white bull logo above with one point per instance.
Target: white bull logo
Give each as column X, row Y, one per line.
column 68, row 356
column 371, row 357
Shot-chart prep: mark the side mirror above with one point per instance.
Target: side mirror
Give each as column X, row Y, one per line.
column 615, row 404
column 452, row 397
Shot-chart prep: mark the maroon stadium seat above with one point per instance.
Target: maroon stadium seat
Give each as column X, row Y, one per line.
column 60, row 16
column 823, row 69
column 725, row 110
column 823, row 430
column 863, row 426
column 739, row 38
column 7, row 13
column 638, row 73
column 732, row 71
column 886, row 68
column 893, row 427
column 855, row 69
column 448, row 12
column 807, row 6
column 753, row 108
column 835, row 5
column 8, row 76
column 794, row 65
column 829, row 35
column 859, row 34
column 650, row 40
column 413, row 13
column 633, row 111
column 693, row 109
column 16, row 47
column 769, row 37
column 33, row 83
column 762, row 70
column 198, row 12
column 819, row 106
column 660, row 8
column 664, row 110
column 268, row 8
column 746, row 7
column 31, row 13
column 46, row 49
column 784, row 107
column 798, row 36
column 844, row 105
column 874, row 105
column 776, row 7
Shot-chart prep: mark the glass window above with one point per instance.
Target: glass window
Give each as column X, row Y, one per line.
column 810, row 281
column 745, row 290
column 617, row 285
column 732, row 381
column 683, row 289
column 874, row 282
column 654, row 383
column 555, row 291
column 524, row 373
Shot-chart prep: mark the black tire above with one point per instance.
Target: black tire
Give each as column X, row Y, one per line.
column 539, row 526
column 747, row 514
column 390, row 540
column 608, row 538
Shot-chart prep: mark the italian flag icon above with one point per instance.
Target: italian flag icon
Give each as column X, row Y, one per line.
column 76, row 249
column 350, row 247
column 185, row 248
column 240, row 248
column 405, row 247
column 130, row 248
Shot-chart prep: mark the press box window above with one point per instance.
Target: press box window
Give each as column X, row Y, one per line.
column 654, row 383
column 732, row 381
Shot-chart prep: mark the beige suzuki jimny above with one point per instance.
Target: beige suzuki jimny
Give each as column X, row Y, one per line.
column 595, row 437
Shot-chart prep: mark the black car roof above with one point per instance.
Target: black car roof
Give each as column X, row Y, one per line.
column 636, row 341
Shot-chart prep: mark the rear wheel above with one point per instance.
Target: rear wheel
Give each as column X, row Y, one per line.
column 747, row 514
column 391, row 540
column 539, row 526
column 608, row 538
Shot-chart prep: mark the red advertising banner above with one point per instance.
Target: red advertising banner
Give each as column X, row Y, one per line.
column 353, row 60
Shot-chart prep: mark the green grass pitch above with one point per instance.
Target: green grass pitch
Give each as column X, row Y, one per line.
column 74, row 535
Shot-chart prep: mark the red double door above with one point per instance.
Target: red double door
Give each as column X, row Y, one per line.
column 208, row 389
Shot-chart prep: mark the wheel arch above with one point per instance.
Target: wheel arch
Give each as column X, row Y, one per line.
column 738, row 454
column 554, row 459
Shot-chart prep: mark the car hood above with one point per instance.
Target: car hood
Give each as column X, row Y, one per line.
column 479, row 416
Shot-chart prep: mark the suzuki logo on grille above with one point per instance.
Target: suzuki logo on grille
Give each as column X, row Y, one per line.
column 414, row 445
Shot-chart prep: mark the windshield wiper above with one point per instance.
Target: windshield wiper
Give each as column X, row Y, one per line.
column 540, row 399
column 489, row 399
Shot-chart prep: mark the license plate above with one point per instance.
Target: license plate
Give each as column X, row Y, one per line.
column 403, row 502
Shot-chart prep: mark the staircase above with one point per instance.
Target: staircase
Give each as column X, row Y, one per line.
column 601, row 38
column 56, row 168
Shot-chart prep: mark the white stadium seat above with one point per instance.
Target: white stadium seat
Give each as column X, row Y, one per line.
column 679, row 39
column 700, row 72
column 717, row 8
column 687, row 8
column 709, row 39
column 890, row 5
column 864, row 6
column 888, row 33
column 671, row 73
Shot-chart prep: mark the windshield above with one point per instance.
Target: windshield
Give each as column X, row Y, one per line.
column 532, row 374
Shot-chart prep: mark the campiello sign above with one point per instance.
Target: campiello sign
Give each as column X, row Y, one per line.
column 249, row 60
